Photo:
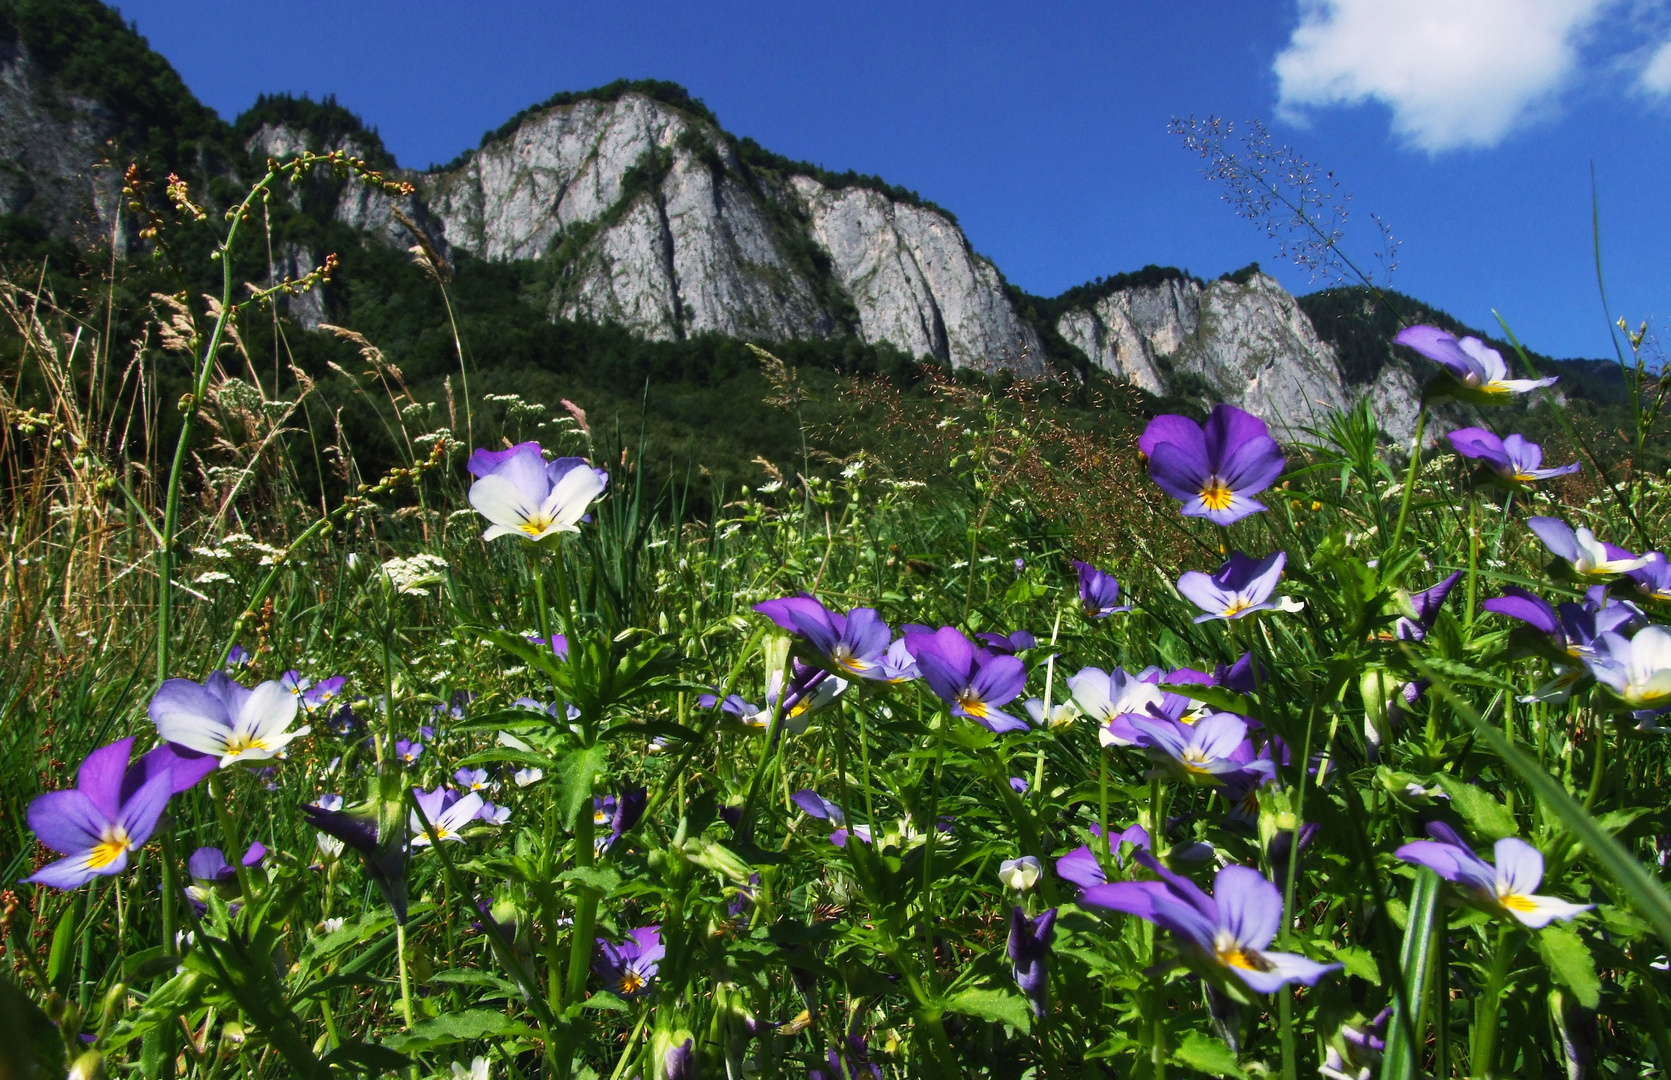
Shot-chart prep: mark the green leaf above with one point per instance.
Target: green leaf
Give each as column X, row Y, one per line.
column 1403, row 1053
column 574, row 781
column 1359, row 962
column 996, row 1005
column 505, row 753
column 600, row 880
column 1208, row 1055
column 466, row 1026
column 1570, row 962
column 1646, row 893
column 1488, row 818
column 63, row 943
column 30, row 1048
column 368, row 1058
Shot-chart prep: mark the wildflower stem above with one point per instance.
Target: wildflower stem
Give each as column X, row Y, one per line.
column 1484, row 1054
column 229, row 833
column 405, row 979
column 1409, row 489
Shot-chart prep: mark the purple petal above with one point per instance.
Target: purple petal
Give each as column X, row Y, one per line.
column 208, row 864
column 998, row 680
column 100, row 777
column 1080, row 866
column 1202, row 591
column 1253, row 466
column 186, row 767
column 1479, row 444
column 945, row 659
column 1180, row 431
column 1529, row 608
column 483, row 462
column 1437, row 346
column 1285, row 968
column 1556, row 535
column 1179, row 471
column 1249, row 906
column 141, row 813
column 68, row 822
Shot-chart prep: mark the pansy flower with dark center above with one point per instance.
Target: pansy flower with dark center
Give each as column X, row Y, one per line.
column 522, row 494
column 1006, row 644
column 112, row 810
column 1506, row 887
column 1227, row 933
column 1210, row 748
column 1237, row 589
column 1099, row 593
column 1112, row 698
column 1475, row 370
column 220, row 718
column 1080, row 866
column 1214, row 470
column 1514, row 459
column 973, row 682
column 1585, row 556
column 628, row 969
column 850, row 644
column 446, row 811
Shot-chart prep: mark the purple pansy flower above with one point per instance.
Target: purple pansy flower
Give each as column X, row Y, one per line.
column 1471, row 363
column 1214, row 470
column 1111, row 699
column 1228, row 931
column 322, row 693
column 208, row 864
column 112, row 810
column 471, row 779
column 1006, row 644
column 898, row 665
column 1210, row 748
column 1426, row 604
column 1018, row 784
column 1653, row 578
column 1506, row 887
column 819, row 807
column 974, row 683
column 1572, row 628
column 1514, row 458
column 679, row 1062
column 851, row 644
column 522, row 494
column 1081, row 867
column 627, row 968
column 1099, row 593
column 620, row 814
column 1029, row 951
column 408, row 750
column 385, row 861
column 1580, row 550
column 1636, row 670
column 220, row 718
column 237, row 656
column 493, row 815
column 446, row 811
column 1239, row 588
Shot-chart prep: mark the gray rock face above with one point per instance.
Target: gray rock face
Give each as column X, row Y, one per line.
column 916, row 282
column 1247, row 344
column 53, row 154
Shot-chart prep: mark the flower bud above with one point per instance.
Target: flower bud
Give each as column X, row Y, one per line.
column 1020, row 874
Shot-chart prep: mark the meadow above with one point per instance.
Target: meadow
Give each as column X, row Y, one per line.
column 973, row 741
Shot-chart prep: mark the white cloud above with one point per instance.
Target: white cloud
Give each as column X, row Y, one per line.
column 1456, row 73
column 1656, row 76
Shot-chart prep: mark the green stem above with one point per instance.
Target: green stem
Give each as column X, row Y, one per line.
column 405, row 980
column 1484, row 1066
column 1409, row 489
column 229, row 834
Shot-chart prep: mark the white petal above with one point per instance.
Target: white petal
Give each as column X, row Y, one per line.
column 501, row 501
column 574, row 493
column 200, row 733
column 1546, row 909
column 266, row 712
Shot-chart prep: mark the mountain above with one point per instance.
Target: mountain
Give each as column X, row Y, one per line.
column 634, row 208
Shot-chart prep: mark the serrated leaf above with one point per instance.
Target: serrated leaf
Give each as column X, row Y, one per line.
column 1487, row 817
column 1570, row 962
column 1208, row 1055
column 996, row 1005
column 600, row 880
column 505, row 753
column 1457, row 671
column 466, row 1026
column 574, row 779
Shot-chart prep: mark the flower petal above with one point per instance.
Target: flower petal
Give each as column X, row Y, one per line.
column 76, row 870
column 100, row 776
column 1284, row 969
column 67, row 821
column 1249, row 906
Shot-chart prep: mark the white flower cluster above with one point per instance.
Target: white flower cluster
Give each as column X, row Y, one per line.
column 414, row 575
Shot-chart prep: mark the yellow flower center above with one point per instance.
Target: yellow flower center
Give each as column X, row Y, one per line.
column 600, row 818
column 1516, row 902
column 1194, row 760
column 631, row 982
column 109, row 848
column 1237, row 606
column 239, row 744
column 1216, row 495
column 536, row 525
column 971, row 703
column 1233, row 955
column 843, row 656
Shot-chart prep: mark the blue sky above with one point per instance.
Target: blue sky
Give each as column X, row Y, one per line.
column 1470, row 126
